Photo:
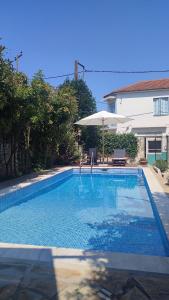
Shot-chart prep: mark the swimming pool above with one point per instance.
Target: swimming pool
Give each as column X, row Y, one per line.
column 110, row 210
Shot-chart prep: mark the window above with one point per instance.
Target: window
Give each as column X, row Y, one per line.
column 154, row 146
column 161, row 106
column 112, row 107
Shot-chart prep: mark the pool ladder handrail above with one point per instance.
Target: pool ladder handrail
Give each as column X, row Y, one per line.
column 91, row 162
column 81, row 164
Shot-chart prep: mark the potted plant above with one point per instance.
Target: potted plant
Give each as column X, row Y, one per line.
column 143, row 161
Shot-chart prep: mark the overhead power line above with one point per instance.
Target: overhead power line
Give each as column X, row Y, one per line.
column 109, row 71
column 127, row 72
column 62, row 75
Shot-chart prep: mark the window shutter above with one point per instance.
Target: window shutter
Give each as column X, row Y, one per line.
column 161, row 106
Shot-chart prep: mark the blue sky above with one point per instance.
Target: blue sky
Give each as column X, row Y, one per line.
column 107, row 34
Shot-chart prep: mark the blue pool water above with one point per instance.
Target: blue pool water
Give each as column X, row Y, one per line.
column 104, row 211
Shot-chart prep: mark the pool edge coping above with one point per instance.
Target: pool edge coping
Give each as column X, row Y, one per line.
column 159, row 197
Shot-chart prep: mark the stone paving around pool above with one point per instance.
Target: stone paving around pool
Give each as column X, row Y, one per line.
column 26, row 180
column 32, row 280
column 160, row 198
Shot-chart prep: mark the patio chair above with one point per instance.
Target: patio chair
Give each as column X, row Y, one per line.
column 94, row 151
column 119, row 157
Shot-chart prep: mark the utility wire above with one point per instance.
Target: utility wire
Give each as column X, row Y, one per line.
column 60, row 76
column 109, row 71
column 127, row 72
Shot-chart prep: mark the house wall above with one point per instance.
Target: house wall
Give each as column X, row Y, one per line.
column 140, row 107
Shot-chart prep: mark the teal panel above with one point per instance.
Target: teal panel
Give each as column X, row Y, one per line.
column 151, row 158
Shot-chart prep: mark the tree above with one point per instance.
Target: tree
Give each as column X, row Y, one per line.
column 36, row 121
column 86, row 107
column 13, row 94
column 53, row 137
column 62, row 119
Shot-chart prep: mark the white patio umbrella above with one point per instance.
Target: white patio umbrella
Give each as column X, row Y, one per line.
column 103, row 118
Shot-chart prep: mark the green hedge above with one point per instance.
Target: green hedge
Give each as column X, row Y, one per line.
column 126, row 141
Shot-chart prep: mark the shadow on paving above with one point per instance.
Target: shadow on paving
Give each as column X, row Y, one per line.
column 107, row 283
column 23, row 278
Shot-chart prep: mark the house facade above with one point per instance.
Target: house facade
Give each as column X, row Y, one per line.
column 147, row 103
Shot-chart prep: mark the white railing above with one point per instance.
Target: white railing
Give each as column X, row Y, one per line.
column 81, row 164
column 92, row 162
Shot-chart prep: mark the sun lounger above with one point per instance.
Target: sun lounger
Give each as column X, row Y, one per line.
column 119, row 157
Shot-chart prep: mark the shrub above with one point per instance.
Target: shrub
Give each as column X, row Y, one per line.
column 127, row 141
column 162, row 165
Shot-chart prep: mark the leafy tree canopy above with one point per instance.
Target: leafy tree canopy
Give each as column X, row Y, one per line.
column 36, row 121
column 86, row 106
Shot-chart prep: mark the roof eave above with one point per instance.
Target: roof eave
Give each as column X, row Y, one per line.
column 115, row 93
column 109, row 97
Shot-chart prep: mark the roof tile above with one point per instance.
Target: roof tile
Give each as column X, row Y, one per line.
column 145, row 85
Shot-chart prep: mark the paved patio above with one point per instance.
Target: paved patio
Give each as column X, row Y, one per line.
column 32, row 280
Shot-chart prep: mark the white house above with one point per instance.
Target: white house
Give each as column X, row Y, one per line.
column 147, row 103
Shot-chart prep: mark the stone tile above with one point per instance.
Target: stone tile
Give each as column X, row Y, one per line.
column 74, row 292
column 45, row 255
column 42, row 285
column 134, row 294
column 69, row 274
column 7, row 289
column 21, row 253
column 161, row 199
column 40, row 279
column 26, row 294
column 12, row 272
column 42, row 268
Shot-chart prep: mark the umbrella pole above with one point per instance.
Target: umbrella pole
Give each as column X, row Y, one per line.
column 103, row 139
